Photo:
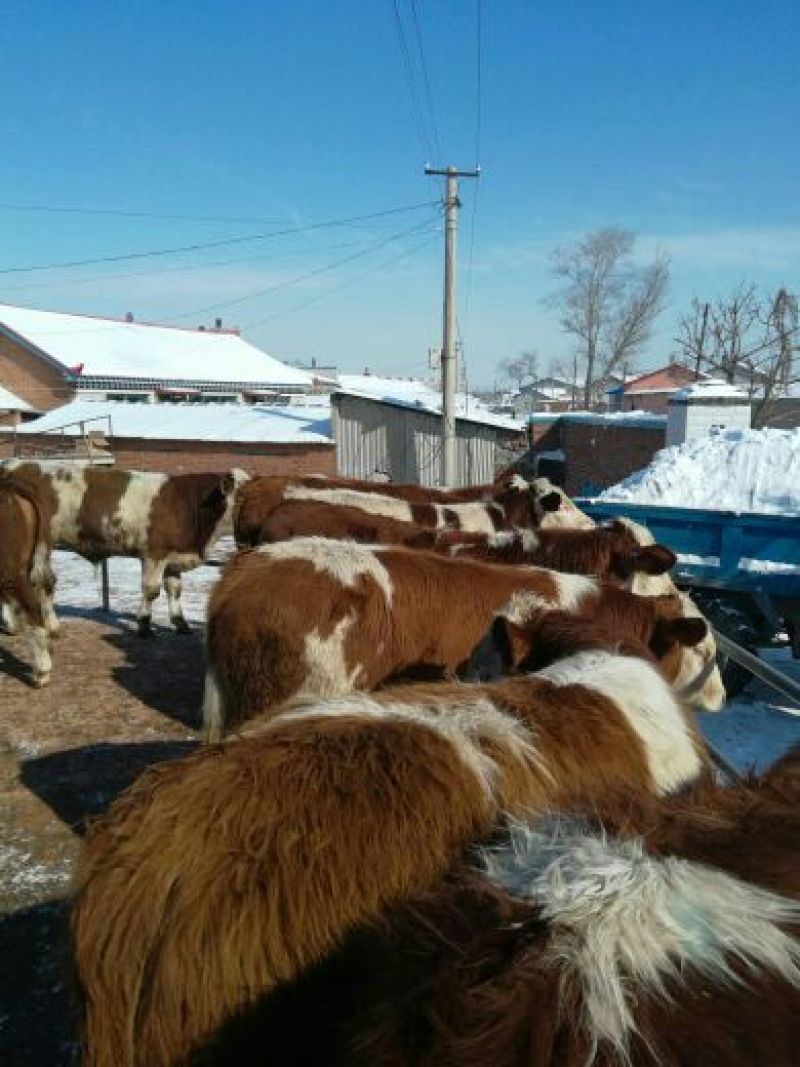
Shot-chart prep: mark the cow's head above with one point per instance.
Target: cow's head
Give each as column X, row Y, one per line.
column 683, row 642
column 524, row 504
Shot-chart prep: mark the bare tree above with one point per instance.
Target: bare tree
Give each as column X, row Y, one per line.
column 522, row 368
column 606, row 302
column 746, row 340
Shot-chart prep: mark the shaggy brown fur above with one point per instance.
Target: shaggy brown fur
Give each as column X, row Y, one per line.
column 469, row 977
column 279, row 625
column 216, row 877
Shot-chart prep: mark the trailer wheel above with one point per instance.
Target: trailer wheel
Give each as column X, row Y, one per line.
column 738, row 624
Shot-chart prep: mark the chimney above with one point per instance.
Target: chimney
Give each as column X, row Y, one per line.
column 217, row 324
column 201, row 327
column 313, row 362
column 129, row 316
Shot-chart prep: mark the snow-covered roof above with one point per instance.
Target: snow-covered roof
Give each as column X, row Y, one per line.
column 194, row 422
column 418, row 394
column 110, row 348
column 11, row 402
column 603, row 418
column 733, row 470
column 712, row 389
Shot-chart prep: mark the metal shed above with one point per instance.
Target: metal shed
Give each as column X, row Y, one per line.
column 387, row 438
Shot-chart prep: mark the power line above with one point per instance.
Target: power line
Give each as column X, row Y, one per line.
column 220, row 243
column 53, row 209
column 289, row 282
column 422, row 133
column 426, row 82
column 478, row 81
column 350, row 281
column 182, row 269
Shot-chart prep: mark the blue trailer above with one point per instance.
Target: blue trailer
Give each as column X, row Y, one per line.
column 743, row 570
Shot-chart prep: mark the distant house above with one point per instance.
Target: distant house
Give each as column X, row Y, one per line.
column 650, row 391
column 48, row 358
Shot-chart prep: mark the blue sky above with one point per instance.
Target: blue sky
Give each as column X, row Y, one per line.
column 677, row 120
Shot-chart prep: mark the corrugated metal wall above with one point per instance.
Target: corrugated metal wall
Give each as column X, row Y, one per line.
column 374, row 438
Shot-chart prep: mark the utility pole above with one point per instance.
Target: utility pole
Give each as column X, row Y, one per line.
column 449, row 358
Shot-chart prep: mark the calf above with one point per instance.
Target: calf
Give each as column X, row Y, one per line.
column 220, row 876
column 166, row 521
column 26, row 580
column 607, row 551
column 513, row 503
column 313, row 617
column 574, row 947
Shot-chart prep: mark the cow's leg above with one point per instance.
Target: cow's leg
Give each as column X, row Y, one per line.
column 213, row 712
column 26, row 602
column 172, row 586
column 152, row 576
column 40, row 653
column 43, row 581
column 8, row 618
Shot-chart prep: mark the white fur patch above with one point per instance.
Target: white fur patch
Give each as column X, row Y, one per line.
column 472, row 518
column 213, row 708
column 648, row 705
column 567, row 515
column 523, row 605
column 527, row 539
column 327, row 672
column 622, row 920
column 346, row 561
column 574, row 589
column 694, row 659
column 69, row 497
column 374, row 503
column 518, row 482
column 126, row 531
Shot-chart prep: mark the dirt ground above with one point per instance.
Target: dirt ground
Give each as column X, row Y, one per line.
column 116, row 704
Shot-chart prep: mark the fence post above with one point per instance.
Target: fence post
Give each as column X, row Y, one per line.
column 104, row 580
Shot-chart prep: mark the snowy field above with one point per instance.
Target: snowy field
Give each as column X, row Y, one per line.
column 752, row 731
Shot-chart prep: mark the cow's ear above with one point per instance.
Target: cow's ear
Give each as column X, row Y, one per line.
column 550, row 501
column 653, row 559
column 684, row 631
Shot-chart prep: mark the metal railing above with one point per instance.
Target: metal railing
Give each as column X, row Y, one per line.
column 83, row 435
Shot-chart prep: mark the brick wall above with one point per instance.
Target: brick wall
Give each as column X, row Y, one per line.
column 31, row 377
column 178, row 457
column 598, row 456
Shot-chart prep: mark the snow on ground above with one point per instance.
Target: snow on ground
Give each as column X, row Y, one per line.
column 734, row 470
column 753, row 730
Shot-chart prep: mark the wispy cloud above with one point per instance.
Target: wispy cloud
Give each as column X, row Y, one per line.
column 749, row 249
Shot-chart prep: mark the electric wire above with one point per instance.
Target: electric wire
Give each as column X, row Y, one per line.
column 53, row 209
column 424, row 137
column 425, row 80
column 219, row 243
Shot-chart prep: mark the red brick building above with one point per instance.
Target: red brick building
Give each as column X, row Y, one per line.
column 650, row 391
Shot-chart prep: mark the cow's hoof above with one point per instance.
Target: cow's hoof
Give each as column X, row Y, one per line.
column 180, row 624
column 39, row 681
column 143, row 628
column 54, row 633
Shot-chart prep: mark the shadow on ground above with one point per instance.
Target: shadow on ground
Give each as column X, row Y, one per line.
column 165, row 671
column 80, row 783
column 37, row 1024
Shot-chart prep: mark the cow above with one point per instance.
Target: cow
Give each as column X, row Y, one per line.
column 563, row 945
column 513, row 503
column 26, row 580
column 310, row 518
column 514, row 641
column 316, row 617
column 567, row 515
column 168, row 521
column 610, row 550
column 221, row 876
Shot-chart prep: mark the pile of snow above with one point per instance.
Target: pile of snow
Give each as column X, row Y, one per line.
column 734, row 470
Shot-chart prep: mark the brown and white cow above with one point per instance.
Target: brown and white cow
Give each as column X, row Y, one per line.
column 218, row 877
column 316, row 617
column 566, row 946
column 26, row 580
column 513, row 503
column 610, row 550
column 168, row 521
column 568, row 515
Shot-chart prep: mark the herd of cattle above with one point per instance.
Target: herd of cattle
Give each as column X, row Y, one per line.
column 467, row 818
